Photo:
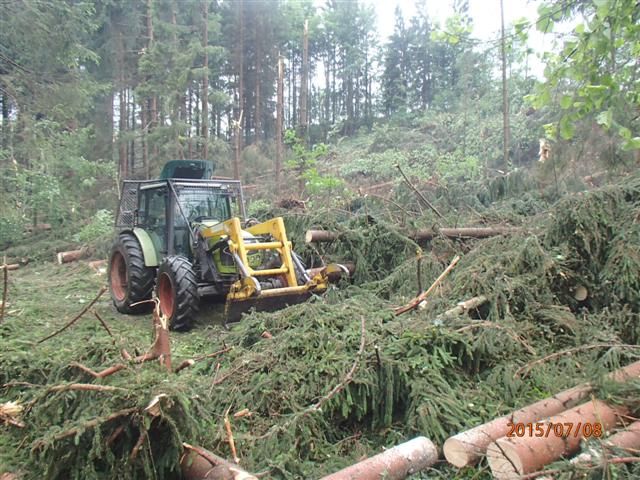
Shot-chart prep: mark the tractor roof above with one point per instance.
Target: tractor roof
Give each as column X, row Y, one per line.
column 192, row 169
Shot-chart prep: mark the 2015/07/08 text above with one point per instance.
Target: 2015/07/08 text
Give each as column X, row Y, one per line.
column 567, row 429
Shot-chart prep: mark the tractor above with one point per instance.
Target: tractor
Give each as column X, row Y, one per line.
column 188, row 238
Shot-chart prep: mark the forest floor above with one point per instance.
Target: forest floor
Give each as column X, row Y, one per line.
column 420, row 373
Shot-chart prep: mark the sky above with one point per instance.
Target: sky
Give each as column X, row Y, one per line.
column 485, row 15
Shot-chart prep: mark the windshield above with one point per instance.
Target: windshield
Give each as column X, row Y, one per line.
column 199, row 203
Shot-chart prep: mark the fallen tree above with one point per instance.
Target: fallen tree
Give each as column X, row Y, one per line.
column 324, row 236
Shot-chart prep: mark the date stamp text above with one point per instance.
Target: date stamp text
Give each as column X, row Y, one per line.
column 564, row 430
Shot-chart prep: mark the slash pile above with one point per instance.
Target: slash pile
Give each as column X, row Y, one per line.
column 422, row 372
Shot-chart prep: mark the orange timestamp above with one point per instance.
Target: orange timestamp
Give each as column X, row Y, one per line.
column 564, row 430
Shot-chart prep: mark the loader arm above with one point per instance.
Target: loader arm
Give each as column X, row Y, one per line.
column 250, row 291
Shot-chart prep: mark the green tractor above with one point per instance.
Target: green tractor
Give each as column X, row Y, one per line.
column 188, row 238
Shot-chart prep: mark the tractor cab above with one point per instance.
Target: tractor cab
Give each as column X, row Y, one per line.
column 171, row 211
column 188, row 238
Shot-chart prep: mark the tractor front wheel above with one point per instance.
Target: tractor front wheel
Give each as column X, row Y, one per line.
column 177, row 291
column 130, row 281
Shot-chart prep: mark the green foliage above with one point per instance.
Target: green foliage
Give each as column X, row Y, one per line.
column 99, row 228
column 593, row 75
column 12, row 226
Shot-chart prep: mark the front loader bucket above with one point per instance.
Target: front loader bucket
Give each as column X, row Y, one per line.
column 262, row 303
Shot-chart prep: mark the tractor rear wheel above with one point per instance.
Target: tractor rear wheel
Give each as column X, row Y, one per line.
column 130, row 281
column 177, row 291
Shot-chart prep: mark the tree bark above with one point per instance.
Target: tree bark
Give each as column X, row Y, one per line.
column 511, row 457
column 279, row 122
column 463, row 232
column 394, row 464
column 627, row 439
column 122, row 125
column 465, row 306
column 467, row 447
column 240, row 108
column 258, row 74
column 204, row 96
column 200, row 464
column 323, row 236
column 304, row 82
column 320, row 236
column 70, row 256
column 505, row 94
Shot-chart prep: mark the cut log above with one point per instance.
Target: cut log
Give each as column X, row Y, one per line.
column 627, row 439
column 468, row 447
column 396, row 463
column 463, row 232
column 11, row 266
column 580, row 293
column 320, row 236
column 465, row 306
column 511, row 457
column 200, row 464
column 70, row 256
column 98, row 265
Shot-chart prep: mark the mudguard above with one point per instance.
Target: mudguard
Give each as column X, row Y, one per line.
column 148, row 247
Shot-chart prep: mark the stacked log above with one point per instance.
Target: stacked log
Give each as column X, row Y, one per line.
column 514, row 456
column 467, row 447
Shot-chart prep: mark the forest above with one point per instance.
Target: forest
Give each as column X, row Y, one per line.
column 463, row 209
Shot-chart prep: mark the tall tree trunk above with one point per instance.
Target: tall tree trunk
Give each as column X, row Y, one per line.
column 258, row 109
column 154, row 98
column 122, row 125
column 132, row 126
column 177, row 105
column 294, row 94
column 505, row 95
column 327, row 89
column 334, row 97
column 5, row 121
column 205, row 81
column 144, row 121
column 240, row 109
column 279, row 121
column 304, row 82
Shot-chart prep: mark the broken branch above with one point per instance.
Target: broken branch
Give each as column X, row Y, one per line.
column 420, row 195
column 420, row 298
column 230, row 440
column 77, row 317
column 191, row 361
column 528, row 366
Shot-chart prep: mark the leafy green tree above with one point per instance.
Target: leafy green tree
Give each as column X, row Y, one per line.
column 594, row 74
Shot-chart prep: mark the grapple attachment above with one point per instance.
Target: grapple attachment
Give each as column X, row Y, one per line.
column 269, row 287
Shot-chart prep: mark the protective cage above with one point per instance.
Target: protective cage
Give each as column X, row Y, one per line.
column 130, row 197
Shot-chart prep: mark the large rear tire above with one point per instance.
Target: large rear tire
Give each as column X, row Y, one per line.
column 130, row 281
column 177, row 290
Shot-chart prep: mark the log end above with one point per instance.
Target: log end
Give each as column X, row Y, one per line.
column 504, row 462
column 459, row 453
column 60, row 257
column 308, row 237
